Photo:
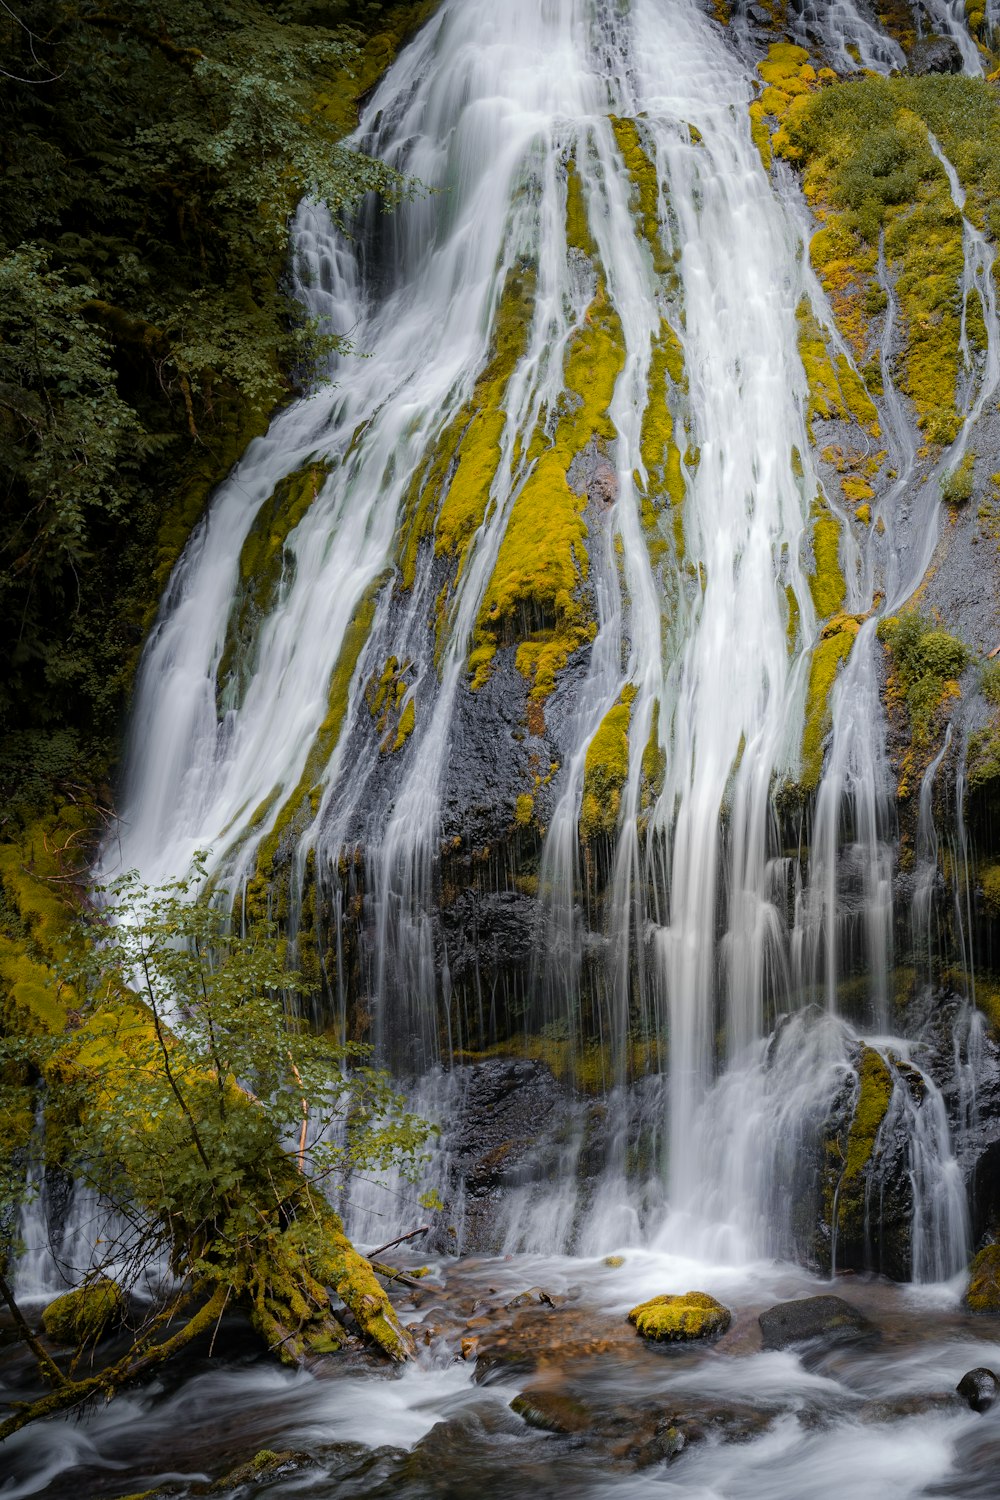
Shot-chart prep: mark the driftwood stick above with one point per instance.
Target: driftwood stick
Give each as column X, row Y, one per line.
column 424, row 1229
column 391, row 1274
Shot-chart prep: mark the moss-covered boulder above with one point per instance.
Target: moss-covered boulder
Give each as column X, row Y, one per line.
column 86, row 1314
column 261, row 1469
column 679, row 1319
column 983, row 1294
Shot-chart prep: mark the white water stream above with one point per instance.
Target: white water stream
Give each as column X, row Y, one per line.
column 486, row 109
column 733, row 952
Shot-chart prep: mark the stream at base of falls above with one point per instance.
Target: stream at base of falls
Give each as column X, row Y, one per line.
column 873, row 1416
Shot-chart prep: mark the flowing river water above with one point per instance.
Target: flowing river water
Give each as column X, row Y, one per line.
column 512, row 116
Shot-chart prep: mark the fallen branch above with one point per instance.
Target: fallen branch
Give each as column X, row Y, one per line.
column 391, row 1274
column 401, row 1240
column 108, row 1381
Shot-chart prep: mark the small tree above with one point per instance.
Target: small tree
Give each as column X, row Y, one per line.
column 191, row 1093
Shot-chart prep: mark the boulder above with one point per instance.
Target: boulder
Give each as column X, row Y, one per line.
column 86, row 1314
column 983, row 1294
column 935, row 54
column 535, row 1296
column 978, row 1388
column 261, row 1469
column 674, row 1319
column 829, row 1319
column 551, row 1411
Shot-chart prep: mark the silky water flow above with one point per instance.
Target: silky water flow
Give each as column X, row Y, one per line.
column 728, row 952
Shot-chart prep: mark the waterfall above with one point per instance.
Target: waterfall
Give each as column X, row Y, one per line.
column 589, row 319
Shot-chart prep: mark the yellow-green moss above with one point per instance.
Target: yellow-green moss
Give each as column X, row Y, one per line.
column 983, row 1295
column 874, row 1095
column 835, row 388
column 533, row 596
column 989, row 879
column 524, row 809
column 86, row 1314
column 407, row 721
column 957, row 485
column 450, row 493
column 794, row 616
column 578, row 231
column 264, row 564
column 695, row 1315
column 606, row 770
column 654, row 759
column 864, row 515
column 856, row 489
column 826, row 580
column 394, row 714
column 925, row 663
column 869, row 170
column 833, row 648
column 303, row 803
column 642, row 170
column 339, row 104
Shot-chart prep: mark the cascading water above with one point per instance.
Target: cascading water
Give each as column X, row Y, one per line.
column 597, row 205
column 567, row 494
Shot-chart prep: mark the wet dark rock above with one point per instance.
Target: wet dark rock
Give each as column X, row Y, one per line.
column 264, row 1467
column 979, row 1388
column 899, row 1408
column 808, row 1319
column 485, row 932
column 985, row 1194
column 935, row 54
column 550, row 1411
column 533, row 1297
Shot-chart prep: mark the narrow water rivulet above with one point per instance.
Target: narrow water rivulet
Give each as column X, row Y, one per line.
column 548, row 673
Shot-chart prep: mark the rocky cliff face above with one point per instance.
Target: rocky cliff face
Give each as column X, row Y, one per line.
column 477, row 856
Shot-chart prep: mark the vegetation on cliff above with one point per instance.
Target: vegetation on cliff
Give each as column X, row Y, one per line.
column 175, row 1100
column 148, row 168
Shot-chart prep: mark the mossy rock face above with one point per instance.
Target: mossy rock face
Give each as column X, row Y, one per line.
column 86, row 1314
column 679, row 1319
column 263, row 1467
column 983, row 1295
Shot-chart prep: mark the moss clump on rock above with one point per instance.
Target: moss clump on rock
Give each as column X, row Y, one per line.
column 86, row 1314
column 826, row 579
column 606, row 770
column 641, row 169
column 983, row 1294
column 534, row 595
column 833, row 648
column 869, row 170
column 874, row 1095
column 849, row 1160
column 679, row 1319
column 925, row 663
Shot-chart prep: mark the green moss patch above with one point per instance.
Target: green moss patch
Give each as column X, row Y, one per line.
column 868, row 170
column 86, row 1314
column 983, row 1295
column 606, row 770
column 695, row 1315
column 534, row 596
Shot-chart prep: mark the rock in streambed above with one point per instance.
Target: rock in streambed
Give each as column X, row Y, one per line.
column 695, row 1315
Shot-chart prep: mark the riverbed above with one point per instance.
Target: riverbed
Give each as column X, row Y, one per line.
column 606, row 1413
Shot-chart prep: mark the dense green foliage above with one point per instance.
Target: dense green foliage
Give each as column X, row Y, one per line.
column 925, row 659
column 149, row 159
column 872, row 133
